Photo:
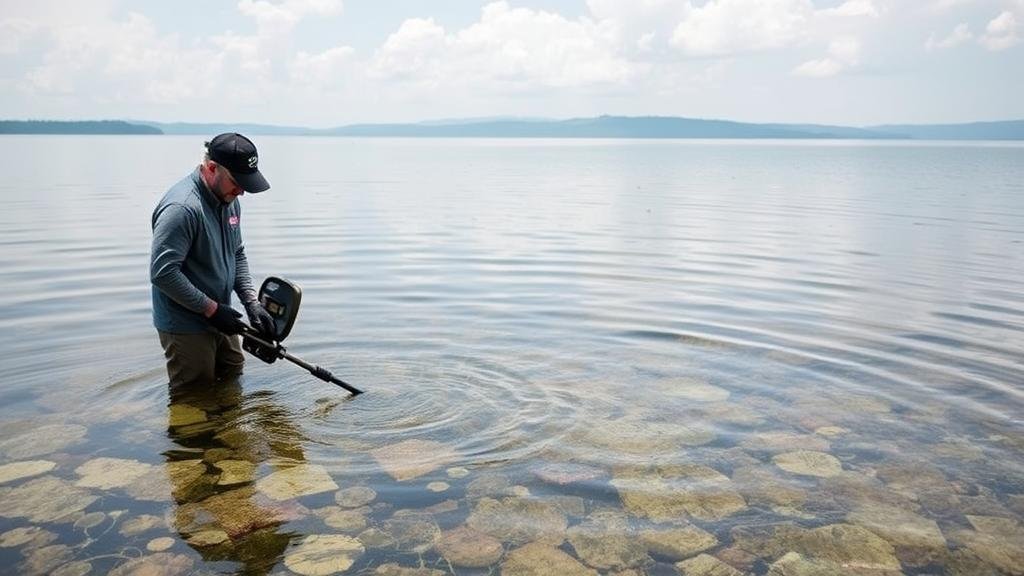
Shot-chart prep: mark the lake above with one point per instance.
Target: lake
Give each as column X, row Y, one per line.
column 586, row 356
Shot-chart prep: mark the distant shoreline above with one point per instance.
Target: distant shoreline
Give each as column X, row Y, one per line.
column 651, row 127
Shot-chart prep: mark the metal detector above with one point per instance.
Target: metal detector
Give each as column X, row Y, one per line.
column 281, row 299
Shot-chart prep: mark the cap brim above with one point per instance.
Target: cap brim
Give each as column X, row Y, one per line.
column 252, row 182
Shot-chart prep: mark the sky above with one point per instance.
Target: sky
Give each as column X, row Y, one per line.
column 325, row 63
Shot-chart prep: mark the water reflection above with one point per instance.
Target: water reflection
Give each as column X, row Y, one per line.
column 224, row 438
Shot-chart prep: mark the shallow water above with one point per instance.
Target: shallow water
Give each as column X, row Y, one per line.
column 582, row 340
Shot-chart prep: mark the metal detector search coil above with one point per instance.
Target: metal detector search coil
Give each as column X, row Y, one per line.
column 281, row 299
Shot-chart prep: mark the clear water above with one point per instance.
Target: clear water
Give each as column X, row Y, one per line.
column 573, row 327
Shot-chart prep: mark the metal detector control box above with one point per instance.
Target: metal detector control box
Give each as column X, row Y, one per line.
column 281, row 299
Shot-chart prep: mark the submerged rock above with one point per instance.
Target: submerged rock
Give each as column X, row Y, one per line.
column 808, row 463
column 323, row 554
column 237, row 513
column 488, row 485
column 107, row 473
column 159, row 544
column 44, row 560
column 141, row 524
column 606, row 541
column 28, row 537
column 77, row 568
column 159, row 564
column 782, row 441
column 412, row 532
column 567, row 474
column 184, row 415
column 518, row 520
column 706, row 565
column 457, row 472
column 673, row 492
column 90, row 520
column 205, row 538
column 345, row 520
column 847, row 547
column 438, row 486
column 301, row 480
column 235, row 472
column 538, row 559
column 45, row 499
column 678, row 542
column 392, row 569
column 918, row 540
column 181, row 480
column 42, row 440
column 27, row 469
column 413, row 458
column 691, row 389
column 355, row 497
column 997, row 541
column 469, row 548
column 640, row 437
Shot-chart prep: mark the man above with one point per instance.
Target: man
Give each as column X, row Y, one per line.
column 198, row 258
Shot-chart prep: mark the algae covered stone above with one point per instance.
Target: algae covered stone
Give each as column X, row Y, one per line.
column 918, row 540
column 809, row 463
column 301, row 480
column 27, row 469
column 413, row 458
column 323, row 554
column 539, row 559
column 469, row 548
column 344, row 519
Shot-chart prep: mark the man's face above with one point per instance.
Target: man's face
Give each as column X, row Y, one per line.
column 224, row 186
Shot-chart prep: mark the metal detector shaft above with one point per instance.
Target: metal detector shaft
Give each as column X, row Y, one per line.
column 317, row 371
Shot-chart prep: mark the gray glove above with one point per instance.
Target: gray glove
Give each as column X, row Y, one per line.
column 261, row 320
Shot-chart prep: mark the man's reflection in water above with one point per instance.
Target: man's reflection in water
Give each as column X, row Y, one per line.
column 224, row 437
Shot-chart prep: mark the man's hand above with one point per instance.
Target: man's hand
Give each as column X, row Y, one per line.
column 261, row 320
column 227, row 320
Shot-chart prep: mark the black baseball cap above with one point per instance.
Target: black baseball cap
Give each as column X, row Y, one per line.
column 238, row 154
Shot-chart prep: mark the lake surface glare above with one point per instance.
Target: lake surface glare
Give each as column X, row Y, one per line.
column 579, row 357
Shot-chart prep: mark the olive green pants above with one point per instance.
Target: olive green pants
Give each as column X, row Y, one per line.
column 201, row 358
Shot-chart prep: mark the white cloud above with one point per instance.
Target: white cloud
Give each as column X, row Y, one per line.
column 1002, row 32
column 13, row 33
column 723, row 27
column 853, row 8
column 321, row 70
column 843, row 53
column 507, row 49
column 282, row 17
column 960, row 35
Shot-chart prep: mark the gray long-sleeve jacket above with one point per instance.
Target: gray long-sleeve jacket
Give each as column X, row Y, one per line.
column 197, row 256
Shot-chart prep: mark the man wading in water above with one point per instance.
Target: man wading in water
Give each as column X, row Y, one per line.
column 198, row 258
